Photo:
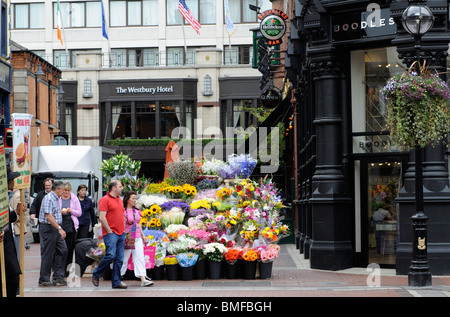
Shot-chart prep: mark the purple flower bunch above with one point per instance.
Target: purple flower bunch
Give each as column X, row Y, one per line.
column 171, row 204
column 238, row 166
column 414, row 86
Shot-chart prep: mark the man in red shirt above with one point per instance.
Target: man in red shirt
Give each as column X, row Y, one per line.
column 113, row 230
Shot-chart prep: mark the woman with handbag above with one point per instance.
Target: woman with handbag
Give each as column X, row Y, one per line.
column 134, row 239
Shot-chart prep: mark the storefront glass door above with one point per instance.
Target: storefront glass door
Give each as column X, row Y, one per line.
column 383, row 183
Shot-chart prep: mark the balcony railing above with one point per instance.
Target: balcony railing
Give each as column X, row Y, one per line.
column 141, row 58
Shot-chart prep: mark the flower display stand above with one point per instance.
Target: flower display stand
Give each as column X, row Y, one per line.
column 265, row 270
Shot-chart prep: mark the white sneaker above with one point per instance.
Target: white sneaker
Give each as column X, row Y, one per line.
column 147, row 283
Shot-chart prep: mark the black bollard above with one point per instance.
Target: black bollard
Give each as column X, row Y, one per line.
column 419, row 274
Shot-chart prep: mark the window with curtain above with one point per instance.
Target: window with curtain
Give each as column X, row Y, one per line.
column 28, row 16
column 189, row 116
column 135, row 57
column 201, row 9
column 73, row 14
column 145, row 120
column 121, row 120
column 133, row 13
column 238, row 54
column 240, row 12
column 150, row 12
column 174, row 56
column 169, row 117
column 93, row 14
column 118, row 11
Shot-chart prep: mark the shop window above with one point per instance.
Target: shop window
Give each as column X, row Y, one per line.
column 383, row 187
column 368, row 105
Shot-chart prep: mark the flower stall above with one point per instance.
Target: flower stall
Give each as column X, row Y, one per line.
column 213, row 227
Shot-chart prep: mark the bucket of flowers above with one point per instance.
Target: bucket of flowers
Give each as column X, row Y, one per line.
column 187, row 262
column 250, row 257
column 214, row 253
column 267, row 257
column 232, row 264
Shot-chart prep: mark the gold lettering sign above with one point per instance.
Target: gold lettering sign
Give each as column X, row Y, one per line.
column 421, row 244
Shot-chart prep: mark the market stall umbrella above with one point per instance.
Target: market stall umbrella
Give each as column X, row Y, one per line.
column 171, row 155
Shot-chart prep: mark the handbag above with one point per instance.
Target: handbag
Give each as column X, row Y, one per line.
column 130, row 234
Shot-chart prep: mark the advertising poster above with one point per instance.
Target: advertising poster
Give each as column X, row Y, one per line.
column 21, row 158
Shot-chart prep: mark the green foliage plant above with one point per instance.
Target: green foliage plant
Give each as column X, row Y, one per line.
column 417, row 108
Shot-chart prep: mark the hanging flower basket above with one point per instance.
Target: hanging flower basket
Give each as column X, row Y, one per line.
column 417, row 108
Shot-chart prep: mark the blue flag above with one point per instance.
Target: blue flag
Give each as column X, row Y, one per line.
column 105, row 35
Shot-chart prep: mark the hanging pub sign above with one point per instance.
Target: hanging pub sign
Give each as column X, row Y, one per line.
column 270, row 97
column 273, row 26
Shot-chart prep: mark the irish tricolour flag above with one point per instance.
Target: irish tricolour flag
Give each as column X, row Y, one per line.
column 59, row 26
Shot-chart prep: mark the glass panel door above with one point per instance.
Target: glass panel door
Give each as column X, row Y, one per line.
column 383, row 186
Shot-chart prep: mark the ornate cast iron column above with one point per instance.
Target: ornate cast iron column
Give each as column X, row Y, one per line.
column 436, row 193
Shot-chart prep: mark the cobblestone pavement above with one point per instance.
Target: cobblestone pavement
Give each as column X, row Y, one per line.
column 291, row 277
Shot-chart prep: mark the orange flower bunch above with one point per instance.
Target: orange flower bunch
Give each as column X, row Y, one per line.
column 250, row 255
column 173, row 235
column 232, row 255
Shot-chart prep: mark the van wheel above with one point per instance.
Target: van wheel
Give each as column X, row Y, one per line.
column 36, row 237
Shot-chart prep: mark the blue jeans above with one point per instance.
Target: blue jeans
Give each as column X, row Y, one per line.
column 114, row 252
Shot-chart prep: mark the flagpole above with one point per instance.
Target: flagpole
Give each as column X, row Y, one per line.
column 185, row 46
column 105, row 34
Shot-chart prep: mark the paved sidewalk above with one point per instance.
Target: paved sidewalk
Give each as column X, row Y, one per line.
column 291, row 277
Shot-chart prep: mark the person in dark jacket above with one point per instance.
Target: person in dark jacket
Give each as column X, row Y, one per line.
column 88, row 214
column 36, row 205
column 12, row 266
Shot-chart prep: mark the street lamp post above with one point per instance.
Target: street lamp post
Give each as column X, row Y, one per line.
column 417, row 19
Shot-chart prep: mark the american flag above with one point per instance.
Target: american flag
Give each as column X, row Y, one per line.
column 184, row 10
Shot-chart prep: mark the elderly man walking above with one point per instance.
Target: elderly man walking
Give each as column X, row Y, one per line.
column 113, row 231
column 51, row 235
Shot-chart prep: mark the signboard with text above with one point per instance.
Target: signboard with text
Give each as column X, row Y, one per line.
column 21, row 158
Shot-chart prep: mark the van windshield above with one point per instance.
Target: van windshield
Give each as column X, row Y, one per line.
column 37, row 184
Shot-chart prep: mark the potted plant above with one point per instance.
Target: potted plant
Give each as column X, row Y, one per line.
column 416, row 112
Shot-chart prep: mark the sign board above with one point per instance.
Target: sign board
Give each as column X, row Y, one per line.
column 4, row 203
column 273, row 26
column 21, row 155
column 374, row 22
column 270, row 98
